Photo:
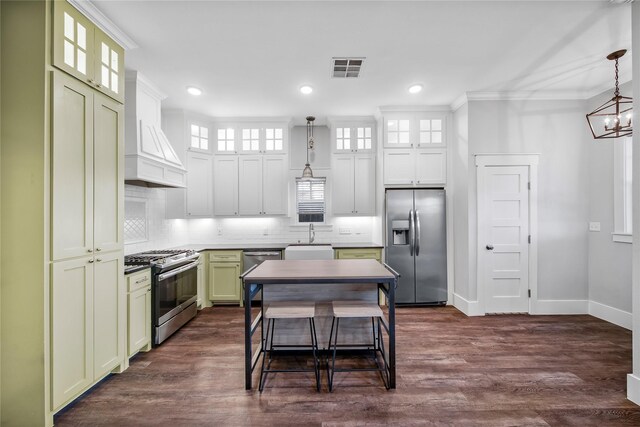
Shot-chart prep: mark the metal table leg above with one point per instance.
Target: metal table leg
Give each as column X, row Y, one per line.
column 247, row 337
column 392, row 333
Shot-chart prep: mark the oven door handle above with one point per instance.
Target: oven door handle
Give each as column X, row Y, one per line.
column 177, row 271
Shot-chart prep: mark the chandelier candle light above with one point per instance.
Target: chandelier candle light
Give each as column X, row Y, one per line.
column 613, row 119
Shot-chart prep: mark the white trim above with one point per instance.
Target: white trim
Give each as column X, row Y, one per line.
column 144, row 83
column 414, row 109
column 622, row 237
column 633, row 388
column 610, row 314
column 530, row 160
column 459, row 102
column 89, row 10
column 559, row 307
column 470, row 308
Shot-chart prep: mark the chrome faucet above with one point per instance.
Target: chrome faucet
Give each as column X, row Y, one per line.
column 312, row 234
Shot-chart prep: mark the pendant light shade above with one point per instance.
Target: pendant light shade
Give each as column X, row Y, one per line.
column 614, row 118
column 307, row 173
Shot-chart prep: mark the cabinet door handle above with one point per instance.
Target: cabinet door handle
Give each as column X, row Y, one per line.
column 89, row 250
column 141, row 280
column 99, row 259
column 98, row 249
column 90, row 261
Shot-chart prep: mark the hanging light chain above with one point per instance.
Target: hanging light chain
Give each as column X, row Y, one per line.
column 617, row 91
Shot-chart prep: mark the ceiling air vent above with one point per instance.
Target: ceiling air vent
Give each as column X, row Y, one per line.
column 347, row 67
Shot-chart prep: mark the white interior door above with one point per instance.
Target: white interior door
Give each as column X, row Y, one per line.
column 503, row 238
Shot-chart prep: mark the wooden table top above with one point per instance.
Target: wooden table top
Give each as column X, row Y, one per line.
column 319, row 271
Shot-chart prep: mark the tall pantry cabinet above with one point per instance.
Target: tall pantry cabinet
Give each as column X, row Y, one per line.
column 63, row 301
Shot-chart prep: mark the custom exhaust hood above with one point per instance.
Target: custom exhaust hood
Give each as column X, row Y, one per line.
column 150, row 160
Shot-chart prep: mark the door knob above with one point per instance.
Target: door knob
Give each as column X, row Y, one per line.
column 489, row 247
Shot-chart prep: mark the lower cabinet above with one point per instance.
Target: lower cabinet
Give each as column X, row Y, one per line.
column 87, row 323
column 362, row 253
column 225, row 268
column 139, row 312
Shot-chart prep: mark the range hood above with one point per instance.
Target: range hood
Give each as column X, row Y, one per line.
column 150, row 160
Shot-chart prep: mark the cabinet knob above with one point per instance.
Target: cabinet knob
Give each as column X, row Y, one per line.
column 98, row 249
column 235, row 213
column 90, row 261
column 89, row 250
column 99, row 259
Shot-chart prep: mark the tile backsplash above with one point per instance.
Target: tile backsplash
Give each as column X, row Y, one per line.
column 165, row 233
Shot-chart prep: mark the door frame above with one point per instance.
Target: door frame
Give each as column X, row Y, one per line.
column 496, row 160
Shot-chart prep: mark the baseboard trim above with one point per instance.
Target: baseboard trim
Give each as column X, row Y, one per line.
column 560, row 307
column 470, row 308
column 610, row 314
column 633, row 388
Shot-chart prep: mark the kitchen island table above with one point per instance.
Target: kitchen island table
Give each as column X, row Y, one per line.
column 315, row 273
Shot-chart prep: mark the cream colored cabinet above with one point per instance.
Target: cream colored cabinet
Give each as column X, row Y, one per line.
column 139, row 312
column 199, row 185
column 262, row 186
column 353, row 184
column 200, row 279
column 86, row 52
column 87, row 326
column 225, row 185
column 87, row 180
column 71, row 329
column 225, row 268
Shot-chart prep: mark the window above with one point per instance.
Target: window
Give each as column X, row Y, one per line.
column 310, row 201
column 75, row 45
column 430, row 131
column 274, row 139
column 343, row 138
column 397, row 132
column 622, row 192
column 364, row 138
column 199, row 137
column 250, row 139
column 226, row 139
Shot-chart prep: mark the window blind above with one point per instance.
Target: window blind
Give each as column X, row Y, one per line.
column 310, row 199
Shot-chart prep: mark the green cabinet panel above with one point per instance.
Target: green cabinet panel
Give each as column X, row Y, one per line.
column 139, row 312
column 359, row 253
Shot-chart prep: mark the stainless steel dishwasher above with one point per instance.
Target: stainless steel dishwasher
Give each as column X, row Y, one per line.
column 251, row 258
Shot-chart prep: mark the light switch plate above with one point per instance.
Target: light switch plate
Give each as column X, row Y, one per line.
column 594, row 226
column 219, row 231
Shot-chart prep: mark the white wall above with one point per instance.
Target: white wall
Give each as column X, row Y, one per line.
column 609, row 261
column 460, row 195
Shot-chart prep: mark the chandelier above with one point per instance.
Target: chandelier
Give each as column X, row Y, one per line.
column 307, row 173
column 613, row 119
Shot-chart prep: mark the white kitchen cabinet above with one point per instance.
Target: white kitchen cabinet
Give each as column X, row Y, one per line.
column 199, row 185
column 262, row 188
column 87, row 322
column 262, row 137
column 225, row 185
column 86, row 52
column 353, row 184
column 414, row 129
column 87, row 173
column 415, row 166
column 353, row 135
column 139, row 312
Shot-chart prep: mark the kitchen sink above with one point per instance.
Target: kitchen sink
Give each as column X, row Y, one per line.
column 308, row 252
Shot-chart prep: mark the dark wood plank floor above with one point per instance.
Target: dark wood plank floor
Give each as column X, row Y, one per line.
column 453, row 370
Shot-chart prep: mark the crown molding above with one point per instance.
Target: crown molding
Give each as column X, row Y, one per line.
column 142, row 81
column 94, row 14
column 414, row 108
column 524, row 95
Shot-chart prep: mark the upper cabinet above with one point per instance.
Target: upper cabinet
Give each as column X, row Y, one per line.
column 86, row 52
column 251, row 137
column 357, row 135
column 415, row 148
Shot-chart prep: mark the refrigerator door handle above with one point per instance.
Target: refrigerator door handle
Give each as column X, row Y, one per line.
column 416, row 215
column 412, row 238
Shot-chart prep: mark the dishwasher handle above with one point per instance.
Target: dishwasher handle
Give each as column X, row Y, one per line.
column 278, row 254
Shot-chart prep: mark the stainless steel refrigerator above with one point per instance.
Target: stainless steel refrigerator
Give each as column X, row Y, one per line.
column 416, row 244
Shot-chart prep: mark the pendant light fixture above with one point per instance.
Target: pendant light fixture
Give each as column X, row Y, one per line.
column 307, row 173
column 613, row 119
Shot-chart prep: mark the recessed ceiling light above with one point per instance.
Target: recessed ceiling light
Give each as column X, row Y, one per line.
column 194, row 91
column 306, row 89
column 415, row 88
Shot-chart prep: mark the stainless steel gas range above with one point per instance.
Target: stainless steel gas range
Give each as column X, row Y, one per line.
column 174, row 290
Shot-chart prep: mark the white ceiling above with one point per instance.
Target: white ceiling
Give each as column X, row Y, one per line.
column 251, row 57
